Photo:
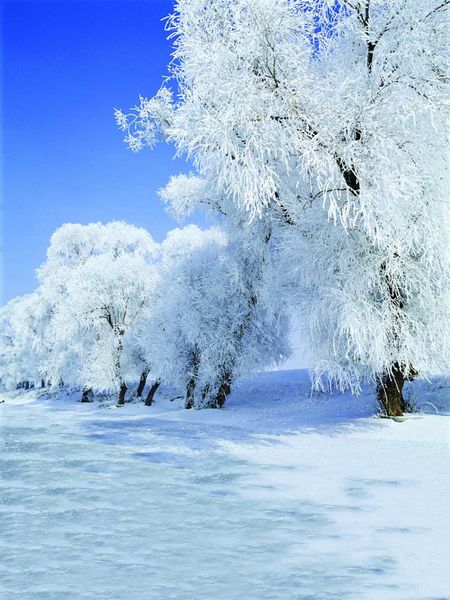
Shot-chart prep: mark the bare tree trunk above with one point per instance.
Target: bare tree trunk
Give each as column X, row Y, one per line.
column 118, row 369
column 86, row 396
column 42, row 383
column 122, row 392
column 190, row 387
column 151, row 392
column 224, row 391
column 390, row 392
column 190, row 393
column 218, row 400
column 205, row 393
column 142, row 382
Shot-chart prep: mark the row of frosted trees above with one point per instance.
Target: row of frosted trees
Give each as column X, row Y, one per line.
column 115, row 311
column 318, row 135
column 327, row 121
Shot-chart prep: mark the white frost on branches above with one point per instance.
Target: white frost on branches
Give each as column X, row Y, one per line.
column 114, row 306
column 328, row 122
column 318, row 134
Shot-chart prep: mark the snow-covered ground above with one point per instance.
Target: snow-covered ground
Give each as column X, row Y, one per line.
column 279, row 496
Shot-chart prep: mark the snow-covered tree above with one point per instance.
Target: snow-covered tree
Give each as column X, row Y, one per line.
column 6, row 346
column 211, row 325
column 113, row 307
column 294, row 108
column 340, row 289
column 98, row 279
column 23, row 351
column 108, row 296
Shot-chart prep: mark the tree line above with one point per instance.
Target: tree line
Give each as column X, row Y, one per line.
column 328, row 121
column 318, row 135
column 115, row 311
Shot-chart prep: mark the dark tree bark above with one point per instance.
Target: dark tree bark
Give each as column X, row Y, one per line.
column 390, row 392
column 189, row 400
column 190, row 393
column 86, row 395
column 42, row 383
column 118, row 367
column 205, row 393
column 151, row 392
column 218, row 400
column 142, row 382
column 122, row 391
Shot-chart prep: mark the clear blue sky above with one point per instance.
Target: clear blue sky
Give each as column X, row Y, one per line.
column 66, row 66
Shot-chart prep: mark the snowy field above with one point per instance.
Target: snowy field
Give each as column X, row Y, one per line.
column 279, row 496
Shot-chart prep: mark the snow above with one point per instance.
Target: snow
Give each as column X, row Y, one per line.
column 279, row 496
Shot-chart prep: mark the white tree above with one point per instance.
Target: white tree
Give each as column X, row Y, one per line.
column 7, row 354
column 109, row 295
column 357, row 325
column 98, row 279
column 23, row 351
column 209, row 327
column 113, row 307
column 288, row 108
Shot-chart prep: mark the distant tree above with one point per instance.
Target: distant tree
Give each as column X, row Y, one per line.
column 209, row 327
column 99, row 278
column 199, row 312
column 110, row 296
column 298, row 110
column 23, row 350
column 6, row 347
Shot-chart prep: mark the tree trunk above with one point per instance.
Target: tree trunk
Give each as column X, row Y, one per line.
column 151, row 392
column 189, row 400
column 86, row 396
column 42, row 383
column 122, row 392
column 224, row 391
column 218, row 400
column 390, row 392
column 190, row 393
column 142, row 382
column 118, row 368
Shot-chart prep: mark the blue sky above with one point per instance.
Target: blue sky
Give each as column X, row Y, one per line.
column 66, row 66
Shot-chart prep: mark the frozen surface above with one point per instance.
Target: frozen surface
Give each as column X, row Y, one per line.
column 277, row 497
